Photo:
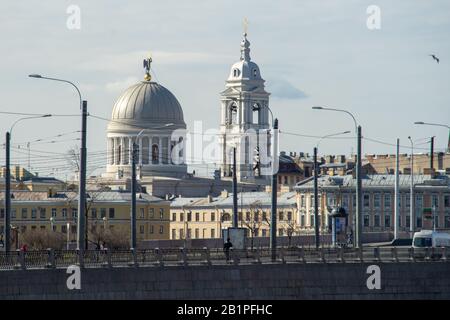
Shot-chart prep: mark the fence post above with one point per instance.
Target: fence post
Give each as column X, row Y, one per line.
column 322, row 255
column 108, row 258
column 412, row 257
column 341, row 254
column 444, row 254
column 134, row 262
column 360, row 254
column 207, row 256
column 183, row 259
column 51, row 258
column 376, row 254
column 80, row 258
column 302, row 254
column 159, row 257
column 21, row 263
column 281, row 250
column 394, row 254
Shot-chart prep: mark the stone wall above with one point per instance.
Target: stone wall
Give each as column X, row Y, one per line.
column 420, row 280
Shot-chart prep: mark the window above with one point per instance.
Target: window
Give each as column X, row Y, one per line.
column 42, row 213
column 152, row 229
column 289, row 216
column 408, row 221
column 94, row 213
column 366, row 200
column 74, row 213
column 387, row 221
column 142, row 213
column 151, row 212
column 387, row 200
column 447, row 221
column 331, row 200
column 366, row 220
column 13, row 213
column 436, row 221
column 2, row 213
column 280, row 232
column 312, row 220
column 256, row 216
column 240, row 216
column 281, row 215
column 24, row 213
column 302, row 220
column 264, row 216
column 435, row 201
column 181, row 233
column 447, row 201
column 54, row 212
column 111, row 213
column 376, row 220
column 174, row 233
column 213, row 216
column 302, row 201
column 103, row 213
column 188, row 234
column 345, row 202
column 213, row 233
column 155, row 154
column 161, row 229
column 197, row 216
column 73, row 229
column 64, row 213
column 181, row 216
column 161, row 213
column 189, row 216
column 33, row 213
column 377, row 200
column 197, row 233
column 174, row 216
column 264, row 232
column 247, row 216
column 141, row 229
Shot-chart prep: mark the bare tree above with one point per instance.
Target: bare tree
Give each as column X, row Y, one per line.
column 253, row 220
column 291, row 227
column 41, row 239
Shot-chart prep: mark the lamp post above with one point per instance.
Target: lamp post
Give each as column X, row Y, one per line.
column 273, row 217
column 411, row 191
column 68, row 235
column 81, row 241
column 7, row 218
column 358, row 215
column 437, row 125
column 316, row 191
column 134, row 152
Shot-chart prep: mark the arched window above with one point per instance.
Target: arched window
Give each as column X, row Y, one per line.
column 256, row 113
column 233, row 114
column 155, row 154
column 226, row 217
column 236, row 73
column 145, row 147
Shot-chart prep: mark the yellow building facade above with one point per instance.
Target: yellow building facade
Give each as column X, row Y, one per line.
column 106, row 210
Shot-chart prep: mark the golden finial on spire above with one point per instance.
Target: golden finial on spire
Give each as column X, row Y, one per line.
column 147, row 63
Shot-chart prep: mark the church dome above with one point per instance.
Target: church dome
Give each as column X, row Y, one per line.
column 148, row 101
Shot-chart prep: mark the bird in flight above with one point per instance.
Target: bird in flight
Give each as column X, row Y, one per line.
column 434, row 57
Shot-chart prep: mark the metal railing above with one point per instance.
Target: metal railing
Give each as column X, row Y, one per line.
column 20, row 260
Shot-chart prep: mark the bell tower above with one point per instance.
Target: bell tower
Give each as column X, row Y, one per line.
column 244, row 118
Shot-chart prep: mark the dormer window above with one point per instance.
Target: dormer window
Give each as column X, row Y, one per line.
column 255, row 73
column 236, row 73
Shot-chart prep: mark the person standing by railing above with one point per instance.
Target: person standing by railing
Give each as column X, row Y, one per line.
column 226, row 248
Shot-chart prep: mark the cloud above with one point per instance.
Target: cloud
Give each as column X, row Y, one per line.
column 283, row 89
column 121, row 85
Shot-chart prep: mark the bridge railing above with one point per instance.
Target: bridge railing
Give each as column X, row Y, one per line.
column 203, row 256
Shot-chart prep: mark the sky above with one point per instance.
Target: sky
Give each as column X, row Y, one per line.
column 309, row 52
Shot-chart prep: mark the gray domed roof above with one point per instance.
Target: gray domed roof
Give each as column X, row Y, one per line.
column 148, row 101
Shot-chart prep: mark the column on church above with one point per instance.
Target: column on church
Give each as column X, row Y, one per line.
column 160, row 150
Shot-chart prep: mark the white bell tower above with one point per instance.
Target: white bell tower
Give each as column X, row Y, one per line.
column 244, row 112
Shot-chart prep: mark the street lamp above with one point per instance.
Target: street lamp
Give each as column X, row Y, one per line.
column 7, row 218
column 316, row 191
column 134, row 151
column 411, row 189
column 81, row 241
column 358, row 215
column 437, row 125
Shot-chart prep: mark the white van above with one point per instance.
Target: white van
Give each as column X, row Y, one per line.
column 430, row 239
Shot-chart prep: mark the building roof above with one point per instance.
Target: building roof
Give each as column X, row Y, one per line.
column 69, row 196
column 376, row 180
column 244, row 199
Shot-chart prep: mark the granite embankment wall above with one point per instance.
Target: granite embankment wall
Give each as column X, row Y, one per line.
column 419, row 280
